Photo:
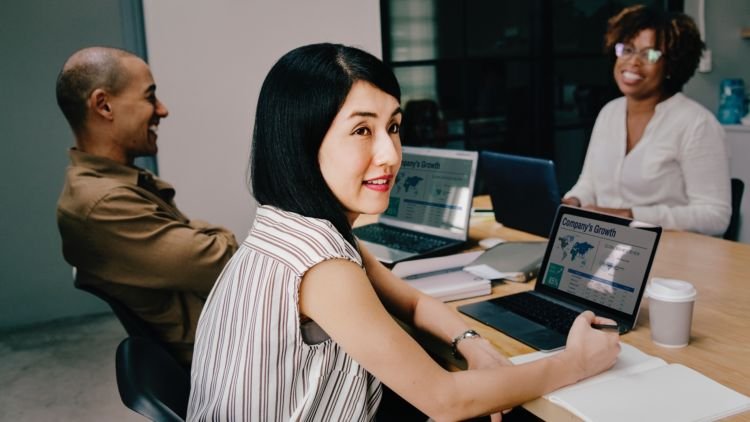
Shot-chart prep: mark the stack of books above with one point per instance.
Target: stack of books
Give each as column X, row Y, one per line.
column 443, row 277
column 470, row 274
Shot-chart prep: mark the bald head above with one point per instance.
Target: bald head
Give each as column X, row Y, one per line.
column 85, row 71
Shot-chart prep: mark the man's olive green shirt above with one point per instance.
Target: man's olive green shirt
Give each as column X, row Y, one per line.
column 123, row 232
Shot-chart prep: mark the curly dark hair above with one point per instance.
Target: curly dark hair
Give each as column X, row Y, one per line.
column 677, row 36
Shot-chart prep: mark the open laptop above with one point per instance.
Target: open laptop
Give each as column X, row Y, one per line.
column 593, row 261
column 429, row 207
column 523, row 190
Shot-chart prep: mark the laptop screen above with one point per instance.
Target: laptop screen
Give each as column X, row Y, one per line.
column 524, row 190
column 433, row 191
column 598, row 258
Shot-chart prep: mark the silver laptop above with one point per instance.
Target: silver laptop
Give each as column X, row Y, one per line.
column 429, row 208
column 593, row 261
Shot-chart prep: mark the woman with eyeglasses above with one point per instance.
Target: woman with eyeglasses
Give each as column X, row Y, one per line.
column 655, row 155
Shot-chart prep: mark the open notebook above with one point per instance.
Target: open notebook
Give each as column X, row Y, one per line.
column 641, row 387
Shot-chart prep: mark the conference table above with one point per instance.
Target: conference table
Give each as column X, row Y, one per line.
column 720, row 337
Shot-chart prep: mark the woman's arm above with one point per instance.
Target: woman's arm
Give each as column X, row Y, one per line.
column 704, row 165
column 409, row 304
column 584, row 191
column 339, row 296
column 428, row 314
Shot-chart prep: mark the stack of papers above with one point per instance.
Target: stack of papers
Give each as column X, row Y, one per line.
column 443, row 277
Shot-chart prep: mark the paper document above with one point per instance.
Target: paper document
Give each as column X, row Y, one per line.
column 654, row 391
column 443, row 278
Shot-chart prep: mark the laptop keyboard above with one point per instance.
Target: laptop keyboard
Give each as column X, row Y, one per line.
column 403, row 240
column 544, row 312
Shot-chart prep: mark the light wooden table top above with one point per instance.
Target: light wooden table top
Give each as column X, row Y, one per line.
column 720, row 337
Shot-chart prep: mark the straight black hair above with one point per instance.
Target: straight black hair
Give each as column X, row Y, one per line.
column 298, row 101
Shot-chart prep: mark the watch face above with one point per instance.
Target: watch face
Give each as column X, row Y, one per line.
column 466, row 334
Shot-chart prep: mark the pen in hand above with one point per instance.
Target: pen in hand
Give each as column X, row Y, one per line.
column 606, row 327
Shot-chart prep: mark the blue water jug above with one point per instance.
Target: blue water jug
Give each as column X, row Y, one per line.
column 732, row 105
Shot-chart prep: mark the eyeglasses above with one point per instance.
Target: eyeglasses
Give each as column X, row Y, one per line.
column 648, row 55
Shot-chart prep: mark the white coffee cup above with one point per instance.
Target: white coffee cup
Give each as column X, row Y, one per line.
column 670, row 308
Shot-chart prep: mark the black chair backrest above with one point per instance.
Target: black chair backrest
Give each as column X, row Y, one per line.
column 151, row 382
column 134, row 325
column 738, row 188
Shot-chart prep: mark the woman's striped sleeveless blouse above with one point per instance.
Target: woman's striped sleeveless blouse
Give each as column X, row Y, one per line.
column 250, row 361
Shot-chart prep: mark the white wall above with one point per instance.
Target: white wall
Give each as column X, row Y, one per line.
column 36, row 36
column 209, row 60
column 730, row 52
column 731, row 59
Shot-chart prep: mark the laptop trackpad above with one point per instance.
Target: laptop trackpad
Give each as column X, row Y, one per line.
column 516, row 326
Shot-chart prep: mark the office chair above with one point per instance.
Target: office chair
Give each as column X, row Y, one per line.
column 738, row 188
column 134, row 325
column 150, row 381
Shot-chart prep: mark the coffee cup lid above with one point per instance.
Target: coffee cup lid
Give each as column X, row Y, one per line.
column 670, row 290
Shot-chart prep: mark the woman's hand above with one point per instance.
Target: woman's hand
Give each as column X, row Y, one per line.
column 591, row 351
column 620, row 212
column 572, row 201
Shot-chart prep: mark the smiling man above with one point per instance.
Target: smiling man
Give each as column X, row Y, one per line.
column 119, row 223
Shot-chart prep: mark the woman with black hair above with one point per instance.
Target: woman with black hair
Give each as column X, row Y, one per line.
column 299, row 325
column 655, row 155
